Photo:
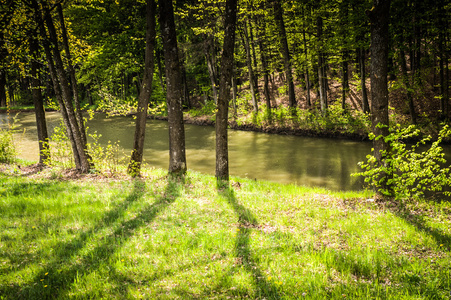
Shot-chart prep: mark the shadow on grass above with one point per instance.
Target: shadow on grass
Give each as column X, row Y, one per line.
column 418, row 221
column 246, row 222
column 70, row 262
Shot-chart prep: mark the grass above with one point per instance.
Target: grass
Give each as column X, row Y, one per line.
column 183, row 238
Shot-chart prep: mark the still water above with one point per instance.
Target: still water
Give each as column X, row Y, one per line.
column 285, row 159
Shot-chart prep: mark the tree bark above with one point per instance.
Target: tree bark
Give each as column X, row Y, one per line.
column 41, row 126
column 174, row 90
column 134, row 166
column 379, row 18
column 227, row 64
column 278, row 17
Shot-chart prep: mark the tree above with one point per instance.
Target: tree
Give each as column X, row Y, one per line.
column 174, row 87
column 222, row 156
column 278, row 17
column 379, row 18
column 146, row 89
column 60, row 81
column 43, row 138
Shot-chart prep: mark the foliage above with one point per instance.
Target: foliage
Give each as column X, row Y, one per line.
column 107, row 158
column 60, row 150
column 411, row 170
column 209, row 108
column 8, row 150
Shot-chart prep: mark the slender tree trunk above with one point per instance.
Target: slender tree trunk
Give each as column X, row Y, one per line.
column 379, row 18
column 41, row 126
column 262, row 46
column 307, row 75
column 345, row 82
column 160, row 68
column 405, row 79
column 254, row 57
column 174, row 88
column 322, row 80
column 3, row 54
column 73, row 80
column 227, row 64
column 245, row 38
column 2, row 88
column 134, row 166
column 209, row 51
column 278, row 17
column 365, row 104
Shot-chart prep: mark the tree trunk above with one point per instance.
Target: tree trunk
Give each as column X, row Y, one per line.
column 41, row 126
column 54, row 78
column 405, row 79
column 73, row 80
column 2, row 88
column 365, row 104
column 307, row 76
column 379, row 18
column 262, row 46
column 3, row 54
column 254, row 57
column 345, row 82
column 322, row 80
column 245, row 38
column 174, row 88
column 209, row 51
column 222, row 156
column 134, row 166
column 278, row 17
column 66, row 94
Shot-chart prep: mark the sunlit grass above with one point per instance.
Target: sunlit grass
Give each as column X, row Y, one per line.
column 169, row 238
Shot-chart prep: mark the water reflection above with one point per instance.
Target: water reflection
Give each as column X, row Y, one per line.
column 286, row 159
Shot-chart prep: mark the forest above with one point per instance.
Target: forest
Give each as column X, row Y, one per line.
column 81, row 223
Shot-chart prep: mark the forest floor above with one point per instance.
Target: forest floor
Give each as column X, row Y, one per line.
column 68, row 235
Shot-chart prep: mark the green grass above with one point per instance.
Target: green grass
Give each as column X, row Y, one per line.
column 168, row 238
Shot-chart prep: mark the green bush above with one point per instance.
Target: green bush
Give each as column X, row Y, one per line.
column 410, row 170
column 7, row 147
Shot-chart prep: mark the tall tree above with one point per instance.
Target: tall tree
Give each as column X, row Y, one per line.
column 146, row 89
column 222, row 156
column 278, row 17
column 379, row 17
column 174, row 89
column 43, row 138
column 61, row 83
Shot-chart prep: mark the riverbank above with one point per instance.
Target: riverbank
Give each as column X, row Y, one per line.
column 67, row 235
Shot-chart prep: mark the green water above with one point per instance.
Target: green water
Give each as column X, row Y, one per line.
column 286, row 159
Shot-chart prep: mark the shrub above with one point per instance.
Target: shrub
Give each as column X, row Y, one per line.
column 410, row 170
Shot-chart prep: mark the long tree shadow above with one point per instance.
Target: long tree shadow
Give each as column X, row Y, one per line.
column 60, row 272
column 246, row 222
column 418, row 221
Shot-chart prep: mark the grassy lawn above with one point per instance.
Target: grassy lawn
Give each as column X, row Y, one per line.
column 165, row 238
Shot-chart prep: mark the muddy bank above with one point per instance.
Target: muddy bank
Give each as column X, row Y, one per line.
column 206, row 121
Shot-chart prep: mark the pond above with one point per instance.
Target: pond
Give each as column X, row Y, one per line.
column 285, row 159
